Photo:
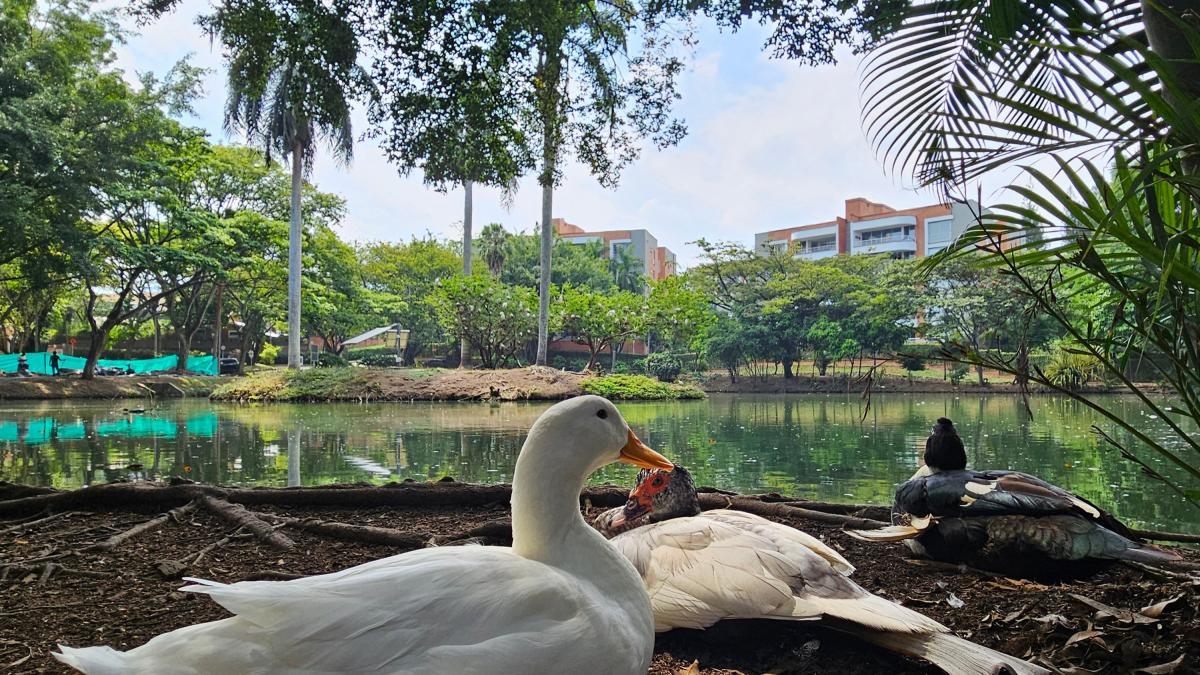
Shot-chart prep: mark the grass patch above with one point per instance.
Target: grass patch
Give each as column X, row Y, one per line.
column 280, row 384
column 639, row 387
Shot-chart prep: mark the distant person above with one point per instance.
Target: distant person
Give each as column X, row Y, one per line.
column 54, row 362
column 129, row 369
column 23, row 365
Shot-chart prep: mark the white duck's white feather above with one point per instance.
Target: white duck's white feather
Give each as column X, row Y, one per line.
column 732, row 565
column 562, row 600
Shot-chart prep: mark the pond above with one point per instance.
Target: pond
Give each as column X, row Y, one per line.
column 812, row 446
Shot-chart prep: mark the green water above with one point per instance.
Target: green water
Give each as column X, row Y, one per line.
column 812, row 446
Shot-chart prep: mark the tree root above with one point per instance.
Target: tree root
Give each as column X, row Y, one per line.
column 783, row 510
column 141, row 495
column 360, row 533
column 496, row 530
column 236, row 514
column 142, row 528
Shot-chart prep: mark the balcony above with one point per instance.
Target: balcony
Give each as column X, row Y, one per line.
column 814, row 251
column 887, row 243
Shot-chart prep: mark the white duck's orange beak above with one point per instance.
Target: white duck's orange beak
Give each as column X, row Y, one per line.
column 638, row 453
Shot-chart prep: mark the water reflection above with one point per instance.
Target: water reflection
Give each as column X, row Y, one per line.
column 815, row 446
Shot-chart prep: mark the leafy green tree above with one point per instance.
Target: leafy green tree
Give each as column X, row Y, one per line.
column 411, row 271
column 497, row 319
column 829, row 342
column 337, row 306
column 679, row 312
column 601, row 320
column 293, row 72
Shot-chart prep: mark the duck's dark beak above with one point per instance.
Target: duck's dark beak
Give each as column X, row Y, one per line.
column 638, row 453
column 635, row 508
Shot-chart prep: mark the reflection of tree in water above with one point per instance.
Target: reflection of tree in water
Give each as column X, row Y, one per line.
column 815, row 446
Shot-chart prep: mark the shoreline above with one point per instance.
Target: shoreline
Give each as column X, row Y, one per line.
column 416, row 384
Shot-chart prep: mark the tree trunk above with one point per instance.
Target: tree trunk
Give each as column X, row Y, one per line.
column 182, row 350
column 547, row 243
column 979, row 372
column 95, row 346
column 787, row 369
column 217, row 327
column 294, row 244
column 464, row 351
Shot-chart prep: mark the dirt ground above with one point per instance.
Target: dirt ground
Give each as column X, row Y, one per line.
column 137, row 386
column 122, row 598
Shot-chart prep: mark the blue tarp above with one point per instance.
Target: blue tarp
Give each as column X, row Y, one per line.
column 39, row 363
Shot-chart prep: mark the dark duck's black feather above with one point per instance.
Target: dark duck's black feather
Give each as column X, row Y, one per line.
column 1004, row 520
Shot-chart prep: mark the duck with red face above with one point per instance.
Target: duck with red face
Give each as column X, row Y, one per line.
column 703, row 567
column 659, row 495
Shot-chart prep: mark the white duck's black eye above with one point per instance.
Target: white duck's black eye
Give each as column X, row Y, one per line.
column 602, row 413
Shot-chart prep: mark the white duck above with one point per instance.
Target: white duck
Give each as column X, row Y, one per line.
column 562, row 599
column 702, row 567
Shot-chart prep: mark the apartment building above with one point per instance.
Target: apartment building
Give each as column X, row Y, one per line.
column 658, row 262
column 869, row 227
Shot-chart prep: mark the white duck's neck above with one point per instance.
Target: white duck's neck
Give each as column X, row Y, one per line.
column 546, row 523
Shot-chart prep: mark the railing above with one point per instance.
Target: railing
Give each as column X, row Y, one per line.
column 886, row 239
column 818, row 248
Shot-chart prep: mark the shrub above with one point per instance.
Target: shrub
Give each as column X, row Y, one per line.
column 1071, row 369
column 268, row 354
column 385, row 360
column 639, row 387
column 331, row 360
column 666, row 367
column 912, row 362
column 957, row 372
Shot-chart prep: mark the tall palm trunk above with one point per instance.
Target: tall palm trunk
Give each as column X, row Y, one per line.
column 549, row 72
column 294, row 243
column 463, row 348
column 544, row 279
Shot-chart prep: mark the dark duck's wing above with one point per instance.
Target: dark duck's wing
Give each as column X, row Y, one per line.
column 955, row 514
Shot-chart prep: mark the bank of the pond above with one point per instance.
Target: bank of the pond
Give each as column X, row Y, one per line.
column 424, row 384
column 124, row 594
column 134, row 386
column 843, row 383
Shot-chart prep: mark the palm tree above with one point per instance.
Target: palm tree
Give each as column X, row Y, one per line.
column 626, row 269
column 493, row 247
column 1105, row 95
column 463, row 347
column 285, row 103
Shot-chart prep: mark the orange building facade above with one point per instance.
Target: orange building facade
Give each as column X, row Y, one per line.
column 872, row 228
column 658, row 262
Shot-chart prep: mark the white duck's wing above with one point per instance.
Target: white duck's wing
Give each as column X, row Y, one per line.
column 701, row 570
column 460, row 609
column 778, row 532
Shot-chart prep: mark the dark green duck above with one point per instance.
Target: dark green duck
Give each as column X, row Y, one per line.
column 1005, row 521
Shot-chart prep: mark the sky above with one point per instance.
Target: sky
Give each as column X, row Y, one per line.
column 771, row 144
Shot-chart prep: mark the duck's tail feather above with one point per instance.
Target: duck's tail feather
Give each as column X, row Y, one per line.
column 871, row 611
column 890, row 533
column 94, row 660
column 1148, row 553
column 949, row 652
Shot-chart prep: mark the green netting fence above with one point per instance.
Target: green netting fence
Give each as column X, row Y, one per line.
column 39, row 364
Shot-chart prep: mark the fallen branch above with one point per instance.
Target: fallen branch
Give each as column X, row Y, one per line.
column 952, row 568
column 32, row 523
column 142, row 528
column 272, row 575
column 47, row 570
column 238, row 515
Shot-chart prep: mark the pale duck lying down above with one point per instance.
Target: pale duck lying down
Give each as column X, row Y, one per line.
column 562, row 599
